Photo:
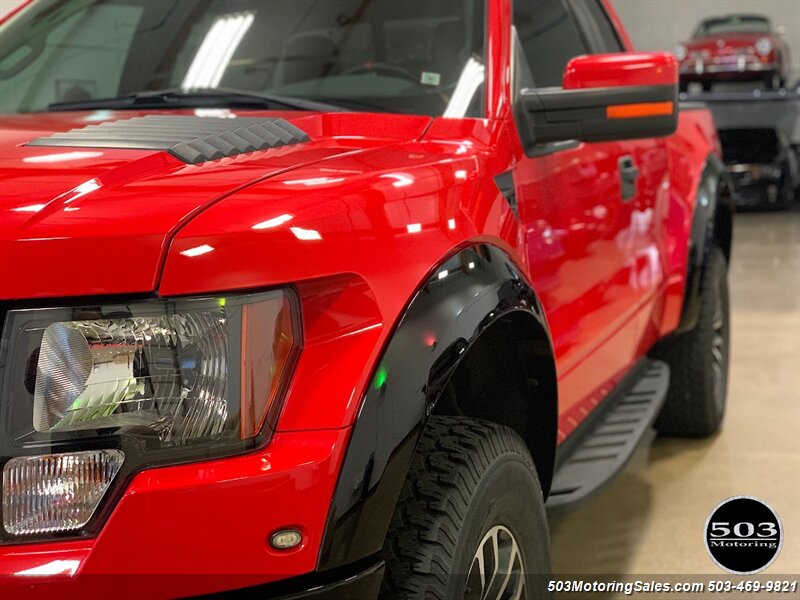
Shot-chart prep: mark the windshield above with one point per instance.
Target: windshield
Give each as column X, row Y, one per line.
column 409, row 56
column 732, row 24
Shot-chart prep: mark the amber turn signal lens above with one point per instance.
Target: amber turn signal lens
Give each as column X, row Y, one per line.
column 268, row 350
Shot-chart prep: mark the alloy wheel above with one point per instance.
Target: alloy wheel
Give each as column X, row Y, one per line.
column 498, row 570
column 719, row 351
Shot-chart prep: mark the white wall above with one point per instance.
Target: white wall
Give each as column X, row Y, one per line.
column 7, row 6
column 660, row 24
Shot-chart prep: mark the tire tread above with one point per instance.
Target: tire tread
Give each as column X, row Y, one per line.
column 451, row 459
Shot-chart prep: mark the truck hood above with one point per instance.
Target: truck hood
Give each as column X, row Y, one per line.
column 82, row 220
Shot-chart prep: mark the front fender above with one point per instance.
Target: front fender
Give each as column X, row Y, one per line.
column 461, row 299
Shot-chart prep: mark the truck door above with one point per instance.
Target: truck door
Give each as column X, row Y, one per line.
column 644, row 176
column 576, row 216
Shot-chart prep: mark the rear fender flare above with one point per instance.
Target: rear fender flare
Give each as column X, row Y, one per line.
column 711, row 225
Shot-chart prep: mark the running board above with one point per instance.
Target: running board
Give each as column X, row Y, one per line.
column 607, row 447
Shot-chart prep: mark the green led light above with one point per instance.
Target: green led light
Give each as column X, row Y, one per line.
column 221, row 302
column 380, row 378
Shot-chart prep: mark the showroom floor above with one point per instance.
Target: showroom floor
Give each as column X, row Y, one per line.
column 651, row 519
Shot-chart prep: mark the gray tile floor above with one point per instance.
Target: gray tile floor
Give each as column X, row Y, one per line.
column 651, row 519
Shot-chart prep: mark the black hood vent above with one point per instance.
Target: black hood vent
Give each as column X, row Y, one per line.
column 193, row 140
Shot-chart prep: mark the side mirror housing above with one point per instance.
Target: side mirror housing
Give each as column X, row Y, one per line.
column 604, row 97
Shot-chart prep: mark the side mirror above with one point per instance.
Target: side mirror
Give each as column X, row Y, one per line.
column 605, row 97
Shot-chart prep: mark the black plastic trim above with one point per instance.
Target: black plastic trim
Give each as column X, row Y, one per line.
column 555, row 114
column 711, row 194
column 191, row 139
column 602, row 452
column 445, row 317
column 360, row 580
column 505, row 183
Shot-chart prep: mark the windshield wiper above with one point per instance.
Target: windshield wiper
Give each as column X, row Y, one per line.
column 197, row 98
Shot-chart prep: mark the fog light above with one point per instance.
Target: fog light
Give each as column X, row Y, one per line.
column 285, row 539
column 56, row 492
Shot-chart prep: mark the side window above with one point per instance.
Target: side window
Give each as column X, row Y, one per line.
column 600, row 33
column 549, row 37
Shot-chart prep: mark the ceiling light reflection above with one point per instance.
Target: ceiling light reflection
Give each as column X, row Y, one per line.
column 274, row 222
column 216, row 51
column 314, row 181
column 29, row 208
column 62, row 157
column 469, row 81
column 55, row 567
column 85, row 188
column 400, row 179
column 305, row 234
column 216, row 113
column 198, row 250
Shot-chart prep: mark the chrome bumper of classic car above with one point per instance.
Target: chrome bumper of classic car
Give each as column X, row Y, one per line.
column 742, row 64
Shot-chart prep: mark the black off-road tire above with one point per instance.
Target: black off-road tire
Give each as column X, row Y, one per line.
column 469, row 479
column 698, row 361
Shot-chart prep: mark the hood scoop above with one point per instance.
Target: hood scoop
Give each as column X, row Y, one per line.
column 193, row 140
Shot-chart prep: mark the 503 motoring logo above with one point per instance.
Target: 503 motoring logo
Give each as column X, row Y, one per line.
column 743, row 535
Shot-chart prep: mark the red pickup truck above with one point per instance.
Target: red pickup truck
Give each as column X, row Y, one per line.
column 336, row 299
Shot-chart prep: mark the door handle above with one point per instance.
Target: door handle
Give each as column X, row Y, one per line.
column 628, row 173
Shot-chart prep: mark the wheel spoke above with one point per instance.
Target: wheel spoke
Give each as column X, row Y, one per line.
column 496, row 562
column 718, row 320
column 481, row 570
column 718, row 347
column 499, row 554
column 519, row 591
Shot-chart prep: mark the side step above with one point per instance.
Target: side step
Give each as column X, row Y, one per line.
column 606, row 448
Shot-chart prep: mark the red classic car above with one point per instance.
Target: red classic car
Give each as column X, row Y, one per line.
column 733, row 48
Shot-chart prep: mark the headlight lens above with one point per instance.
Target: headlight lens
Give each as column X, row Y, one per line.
column 763, row 46
column 162, row 381
column 167, row 373
column 680, row 52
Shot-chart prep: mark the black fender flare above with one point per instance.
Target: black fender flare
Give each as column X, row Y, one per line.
column 463, row 297
column 711, row 224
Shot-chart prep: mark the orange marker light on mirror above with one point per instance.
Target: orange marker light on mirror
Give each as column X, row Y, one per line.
column 639, row 110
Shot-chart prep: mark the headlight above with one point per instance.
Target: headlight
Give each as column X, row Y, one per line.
column 763, row 46
column 156, row 382
column 680, row 52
